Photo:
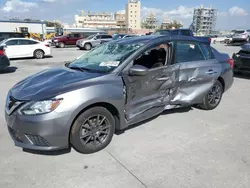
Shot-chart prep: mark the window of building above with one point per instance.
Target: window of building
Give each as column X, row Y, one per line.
column 131, row 11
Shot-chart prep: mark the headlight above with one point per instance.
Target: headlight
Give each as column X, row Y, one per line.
column 56, row 40
column 41, row 107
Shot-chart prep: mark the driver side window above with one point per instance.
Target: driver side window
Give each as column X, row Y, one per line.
column 153, row 58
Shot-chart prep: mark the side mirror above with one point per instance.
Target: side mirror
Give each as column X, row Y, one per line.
column 138, row 70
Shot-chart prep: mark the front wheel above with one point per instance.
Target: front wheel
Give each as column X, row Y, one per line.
column 213, row 97
column 87, row 46
column 93, row 130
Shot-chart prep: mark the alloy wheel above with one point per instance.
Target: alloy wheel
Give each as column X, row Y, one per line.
column 214, row 95
column 95, row 130
column 39, row 54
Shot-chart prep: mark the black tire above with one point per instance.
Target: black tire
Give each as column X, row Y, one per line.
column 87, row 138
column 61, row 45
column 248, row 39
column 38, row 54
column 87, row 46
column 207, row 100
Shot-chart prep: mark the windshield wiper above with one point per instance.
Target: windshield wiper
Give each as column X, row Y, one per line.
column 81, row 69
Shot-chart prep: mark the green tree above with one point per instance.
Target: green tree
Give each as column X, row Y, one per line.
column 53, row 24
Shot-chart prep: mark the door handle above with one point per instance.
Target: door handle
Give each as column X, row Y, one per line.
column 211, row 72
column 163, row 79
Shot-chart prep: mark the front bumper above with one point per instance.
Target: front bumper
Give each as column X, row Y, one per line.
column 40, row 132
column 239, row 39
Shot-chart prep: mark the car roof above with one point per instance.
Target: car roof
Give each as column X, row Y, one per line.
column 149, row 38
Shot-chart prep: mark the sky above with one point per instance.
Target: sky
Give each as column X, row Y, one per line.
column 232, row 14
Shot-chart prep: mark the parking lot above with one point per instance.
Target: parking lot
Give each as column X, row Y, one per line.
column 180, row 148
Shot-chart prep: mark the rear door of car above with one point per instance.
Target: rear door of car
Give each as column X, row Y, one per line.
column 198, row 71
column 27, row 47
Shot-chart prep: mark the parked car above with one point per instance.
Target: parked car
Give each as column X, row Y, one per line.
column 183, row 32
column 4, row 60
column 221, row 39
column 93, row 41
column 21, row 47
column 241, row 36
column 242, row 59
column 113, row 86
column 122, row 36
column 71, row 39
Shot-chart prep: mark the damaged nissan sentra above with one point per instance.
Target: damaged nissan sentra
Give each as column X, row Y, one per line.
column 112, row 87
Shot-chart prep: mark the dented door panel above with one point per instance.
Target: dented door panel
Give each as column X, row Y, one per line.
column 195, row 80
column 144, row 93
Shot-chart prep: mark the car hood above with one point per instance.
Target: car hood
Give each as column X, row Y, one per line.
column 50, row 83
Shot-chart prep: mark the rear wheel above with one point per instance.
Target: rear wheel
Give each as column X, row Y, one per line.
column 93, row 130
column 213, row 97
column 87, row 46
column 39, row 54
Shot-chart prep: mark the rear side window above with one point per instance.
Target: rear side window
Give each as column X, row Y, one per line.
column 106, row 36
column 239, row 32
column 206, row 51
column 187, row 51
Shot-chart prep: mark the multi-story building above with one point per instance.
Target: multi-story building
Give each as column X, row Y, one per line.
column 204, row 20
column 133, row 14
column 96, row 20
column 120, row 18
column 150, row 21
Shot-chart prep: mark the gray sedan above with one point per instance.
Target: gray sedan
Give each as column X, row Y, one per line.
column 112, row 87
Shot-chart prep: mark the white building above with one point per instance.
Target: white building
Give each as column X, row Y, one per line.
column 133, row 14
column 95, row 20
column 204, row 20
column 22, row 26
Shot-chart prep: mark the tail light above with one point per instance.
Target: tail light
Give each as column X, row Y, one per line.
column 231, row 63
column 209, row 39
column 2, row 53
column 47, row 45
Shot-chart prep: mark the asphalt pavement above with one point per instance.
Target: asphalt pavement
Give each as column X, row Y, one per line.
column 188, row 148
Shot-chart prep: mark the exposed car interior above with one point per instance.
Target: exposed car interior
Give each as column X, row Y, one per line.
column 154, row 58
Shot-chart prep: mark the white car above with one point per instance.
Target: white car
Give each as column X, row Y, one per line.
column 23, row 47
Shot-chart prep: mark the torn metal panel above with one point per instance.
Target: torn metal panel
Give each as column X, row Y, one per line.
column 149, row 91
column 195, row 80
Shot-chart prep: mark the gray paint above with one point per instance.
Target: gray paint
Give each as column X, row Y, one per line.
column 162, row 88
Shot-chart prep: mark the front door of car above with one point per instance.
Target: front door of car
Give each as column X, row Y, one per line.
column 198, row 71
column 147, row 92
column 12, row 49
column 96, row 40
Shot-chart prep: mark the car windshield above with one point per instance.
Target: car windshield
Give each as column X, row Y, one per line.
column 104, row 58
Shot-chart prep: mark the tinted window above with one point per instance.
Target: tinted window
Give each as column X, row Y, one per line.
column 239, row 32
column 206, row 51
column 26, row 42
column 98, row 37
column 76, row 35
column 187, row 51
column 185, row 32
column 162, row 32
column 248, row 30
column 11, row 42
column 174, row 32
column 106, row 36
